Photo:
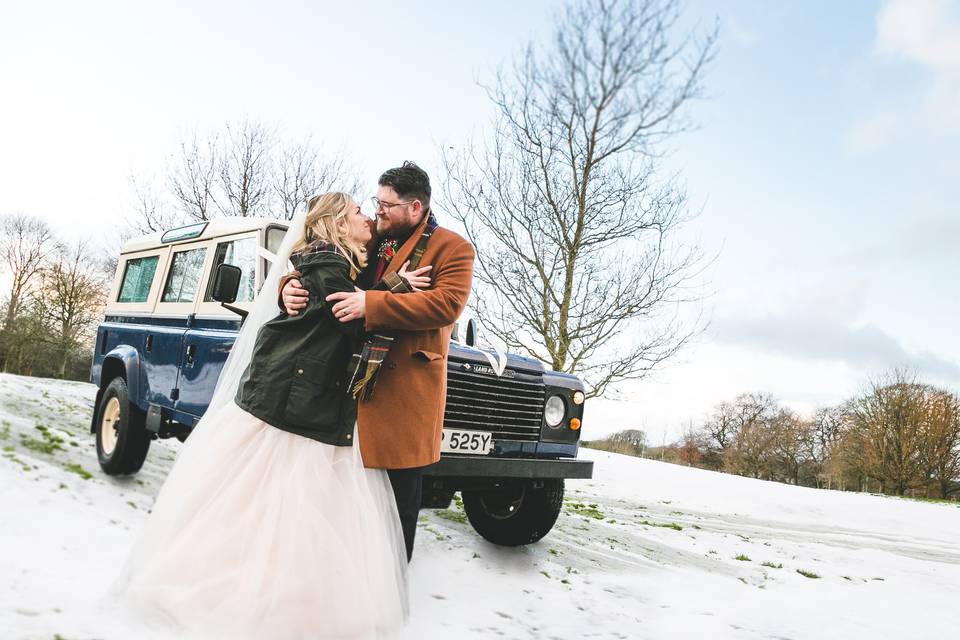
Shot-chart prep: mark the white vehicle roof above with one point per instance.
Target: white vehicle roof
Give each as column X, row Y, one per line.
column 215, row 228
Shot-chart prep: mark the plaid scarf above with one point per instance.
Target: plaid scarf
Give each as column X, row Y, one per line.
column 365, row 364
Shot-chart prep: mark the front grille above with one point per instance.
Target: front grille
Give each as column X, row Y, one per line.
column 511, row 408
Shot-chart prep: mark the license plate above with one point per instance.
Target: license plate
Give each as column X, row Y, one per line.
column 477, row 442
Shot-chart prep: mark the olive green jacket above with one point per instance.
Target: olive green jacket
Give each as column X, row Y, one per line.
column 297, row 377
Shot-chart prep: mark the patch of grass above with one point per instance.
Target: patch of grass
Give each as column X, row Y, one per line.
column 808, row 574
column 80, row 471
column 14, row 459
column 5, row 431
column 48, row 445
column 9, row 448
column 771, row 565
column 452, row 516
column 132, row 503
column 743, row 580
column 436, row 533
column 553, row 552
column 848, row 578
column 545, row 573
column 665, row 525
column 565, row 581
column 742, row 558
column 697, row 527
column 475, row 555
column 588, row 510
column 457, row 500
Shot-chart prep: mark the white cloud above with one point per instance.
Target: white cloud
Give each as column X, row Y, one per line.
column 859, row 346
column 926, row 33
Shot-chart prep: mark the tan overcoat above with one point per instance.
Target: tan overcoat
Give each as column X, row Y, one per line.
column 400, row 426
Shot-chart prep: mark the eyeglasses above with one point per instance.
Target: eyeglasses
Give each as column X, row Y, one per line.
column 386, row 206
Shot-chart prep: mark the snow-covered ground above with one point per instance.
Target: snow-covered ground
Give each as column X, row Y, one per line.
column 644, row 550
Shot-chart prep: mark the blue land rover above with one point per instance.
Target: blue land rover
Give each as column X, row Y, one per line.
column 174, row 311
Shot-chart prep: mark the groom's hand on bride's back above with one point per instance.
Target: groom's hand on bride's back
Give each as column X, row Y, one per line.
column 293, row 297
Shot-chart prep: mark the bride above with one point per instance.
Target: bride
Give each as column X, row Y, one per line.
column 268, row 525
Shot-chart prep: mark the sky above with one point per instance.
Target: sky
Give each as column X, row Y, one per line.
column 822, row 164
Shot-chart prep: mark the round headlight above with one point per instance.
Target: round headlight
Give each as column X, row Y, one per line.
column 578, row 397
column 554, row 411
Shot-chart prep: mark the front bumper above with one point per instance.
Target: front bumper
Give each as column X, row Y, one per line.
column 464, row 466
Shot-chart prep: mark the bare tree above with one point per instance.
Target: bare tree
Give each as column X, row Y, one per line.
column 193, row 179
column 301, row 172
column 886, row 424
column 940, row 441
column 728, row 419
column 790, row 445
column 824, row 439
column 244, row 169
column 71, row 296
column 577, row 238
column 24, row 244
column 693, row 446
column 152, row 210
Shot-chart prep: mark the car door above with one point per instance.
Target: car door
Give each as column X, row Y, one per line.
column 208, row 341
column 173, row 314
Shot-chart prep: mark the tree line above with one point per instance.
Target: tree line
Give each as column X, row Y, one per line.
column 54, row 301
column 898, row 436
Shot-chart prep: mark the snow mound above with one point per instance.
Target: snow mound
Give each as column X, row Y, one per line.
column 644, row 550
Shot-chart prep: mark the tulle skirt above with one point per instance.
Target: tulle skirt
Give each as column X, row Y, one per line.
column 259, row 533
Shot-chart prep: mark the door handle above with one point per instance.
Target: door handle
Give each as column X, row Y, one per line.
column 149, row 346
column 191, row 352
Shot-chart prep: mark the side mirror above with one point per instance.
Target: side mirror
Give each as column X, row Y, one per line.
column 471, row 334
column 226, row 283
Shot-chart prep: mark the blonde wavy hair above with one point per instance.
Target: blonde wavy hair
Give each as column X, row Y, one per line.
column 326, row 222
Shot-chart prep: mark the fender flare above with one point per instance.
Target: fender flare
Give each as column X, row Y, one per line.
column 128, row 358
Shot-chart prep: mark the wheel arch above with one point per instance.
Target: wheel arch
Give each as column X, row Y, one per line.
column 123, row 362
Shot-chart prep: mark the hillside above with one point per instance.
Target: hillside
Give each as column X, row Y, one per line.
column 644, row 550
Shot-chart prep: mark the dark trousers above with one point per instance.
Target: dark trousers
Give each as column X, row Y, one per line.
column 408, row 490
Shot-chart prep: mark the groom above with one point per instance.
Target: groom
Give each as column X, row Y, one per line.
column 400, row 422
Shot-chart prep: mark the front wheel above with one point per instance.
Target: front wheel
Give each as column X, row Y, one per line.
column 516, row 515
column 122, row 437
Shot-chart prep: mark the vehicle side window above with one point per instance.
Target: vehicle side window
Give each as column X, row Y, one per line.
column 275, row 238
column 137, row 278
column 185, row 273
column 240, row 253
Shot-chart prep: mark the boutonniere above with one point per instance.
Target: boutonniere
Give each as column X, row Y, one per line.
column 388, row 249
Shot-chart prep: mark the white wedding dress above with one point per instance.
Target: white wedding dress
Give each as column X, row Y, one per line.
column 260, row 533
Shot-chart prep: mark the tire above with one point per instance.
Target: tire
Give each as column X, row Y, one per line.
column 517, row 515
column 121, row 434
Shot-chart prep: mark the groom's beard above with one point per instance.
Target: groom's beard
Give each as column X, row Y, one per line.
column 394, row 233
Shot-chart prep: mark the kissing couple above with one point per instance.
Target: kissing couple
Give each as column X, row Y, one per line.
column 291, row 510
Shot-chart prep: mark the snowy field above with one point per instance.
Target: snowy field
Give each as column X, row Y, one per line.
column 644, row 550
